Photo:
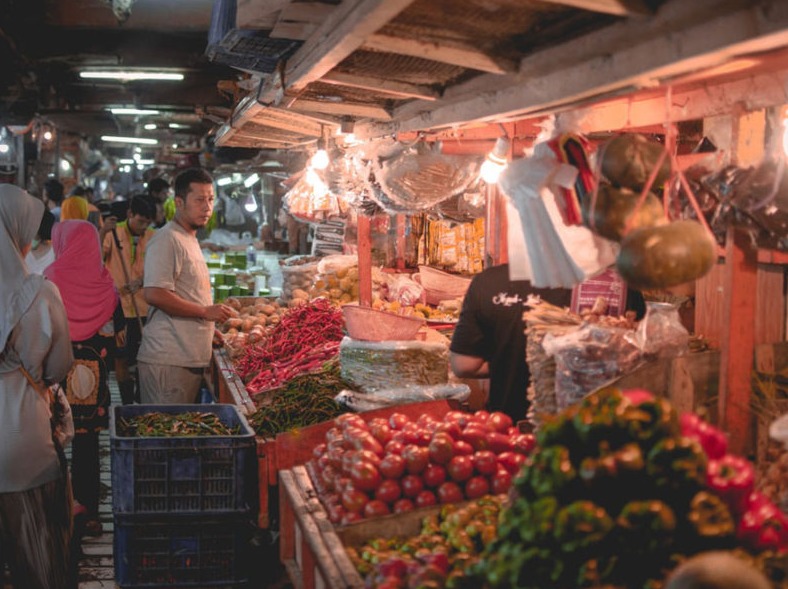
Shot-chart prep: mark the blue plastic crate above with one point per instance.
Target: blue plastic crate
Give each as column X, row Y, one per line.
column 185, row 475
column 176, row 551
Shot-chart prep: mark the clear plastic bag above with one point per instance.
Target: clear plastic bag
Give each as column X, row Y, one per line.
column 589, row 357
column 401, row 396
column 660, row 334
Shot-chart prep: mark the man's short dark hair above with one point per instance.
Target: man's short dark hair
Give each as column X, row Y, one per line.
column 187, row 177
column 142, row 204
column 54, row 190
column 45, row 227
column 78, row 191
column 157, row 185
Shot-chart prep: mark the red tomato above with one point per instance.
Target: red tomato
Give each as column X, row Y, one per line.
column 335, row 456
column 394, row 447
column 348, row 419
column 392, row 466
column 462, row 448
column 441, row 448
column 348, row 460
column 460, row 468
column 342, row 484
column 476, row 436
column 351, row 517
column 365, row 476
column 366, row 441
column 336, row 513
column 638, row 396
column 434, row 475
column 425, row 499
column 501, row 481
column 376, row 508
column 319, row 450
column 498, row 422
column 485, row 462
column 524, row 443
column 476, row 487
column 381, row 432
column 322, row 462
column 426, row 421
column 416, row 458
column 450, row 492
column 398, row 420
column 402, row 506
column 334, row 434
column 481, row 416
column 377, row 421
column 412, row 433
column 450, row 427
column 354, row 500
column 459, row 417
column 388, row 491
column 511, row 461
column 412, row 485
column 369, row 456
column 499, row 442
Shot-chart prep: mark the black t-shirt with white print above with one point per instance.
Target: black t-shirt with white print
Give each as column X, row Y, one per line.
column 491, row 327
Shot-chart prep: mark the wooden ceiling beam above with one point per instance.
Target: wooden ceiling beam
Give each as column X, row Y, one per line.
column 616, row 7
column 700, row 34
column 299, row 20
column 289, row 121
column 344, row 31
column 258, row 14
column 381, row 86
column 454, row 54
column 351, row 109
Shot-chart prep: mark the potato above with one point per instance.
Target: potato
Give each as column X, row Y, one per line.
column 628, row 160
column 659, row 257
column 300, row 294
column 269, row 309
column 614, row 207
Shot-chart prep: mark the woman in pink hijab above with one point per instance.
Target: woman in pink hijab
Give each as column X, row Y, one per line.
column 94, row 316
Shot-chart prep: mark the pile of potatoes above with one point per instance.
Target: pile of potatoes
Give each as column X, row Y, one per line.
column 297, row 280
column 255, row 317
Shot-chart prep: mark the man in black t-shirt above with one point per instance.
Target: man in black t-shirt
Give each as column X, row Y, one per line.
column 489, row 340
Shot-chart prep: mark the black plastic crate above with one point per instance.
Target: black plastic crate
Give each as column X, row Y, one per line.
column 184, row 475
column 178, row 551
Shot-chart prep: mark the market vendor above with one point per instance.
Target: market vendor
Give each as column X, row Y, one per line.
column 489, row 340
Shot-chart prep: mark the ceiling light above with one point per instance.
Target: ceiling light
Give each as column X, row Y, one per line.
column 175, row 146
column 150, row 126
column 224, row 181
column 4, row 148
column 251, row 180
column 140, row 140
column 319, row 161
column 146, row 162
column 127, row 76
column 47, row 135
column 65, row 165
column 126, row 160
column 133, row 111
column 177, row 126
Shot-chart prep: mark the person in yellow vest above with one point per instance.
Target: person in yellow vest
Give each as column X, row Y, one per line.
column 124, row 257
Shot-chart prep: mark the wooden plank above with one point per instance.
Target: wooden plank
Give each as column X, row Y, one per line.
column 364, row 261
column 298, row 20
column 681, row 391
column 682, row 37
column 709, row 304
column 258, row 14
column 466, row 56
column 617, row 7
column 400, row 244
column 770, row 304
column 289, row 121
column 353, row 109
column 737, row 346
column 381, row 85
column 344, row 31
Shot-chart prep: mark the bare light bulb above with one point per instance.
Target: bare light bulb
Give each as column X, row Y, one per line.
column 495, row 163
column 319, row 161
column 250, row 204
column 47, row 135
column 4, row 148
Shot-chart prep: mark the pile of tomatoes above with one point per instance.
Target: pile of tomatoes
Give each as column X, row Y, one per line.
column 393, row 465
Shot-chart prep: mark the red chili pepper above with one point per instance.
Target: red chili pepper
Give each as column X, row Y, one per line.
column 763, row 526
column 733, row 479
column 711, row 439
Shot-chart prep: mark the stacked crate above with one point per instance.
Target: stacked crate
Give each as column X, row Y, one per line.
column 183, row 506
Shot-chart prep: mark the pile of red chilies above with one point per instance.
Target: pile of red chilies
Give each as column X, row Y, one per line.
column 305, row 338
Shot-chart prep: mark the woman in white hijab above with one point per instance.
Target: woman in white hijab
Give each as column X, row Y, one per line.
column 35, row 499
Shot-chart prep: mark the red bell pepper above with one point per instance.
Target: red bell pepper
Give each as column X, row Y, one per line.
column 733, row 479
column 711, row 439
column 763, row 526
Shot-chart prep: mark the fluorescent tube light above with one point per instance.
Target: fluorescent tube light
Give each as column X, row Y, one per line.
column 177, row 126
column 251, row 180
column 224, row 181
column 140, row 140
column 126, row 160
column 127, row 76
column 133, row 111
column 146, row 162
column 150, row 126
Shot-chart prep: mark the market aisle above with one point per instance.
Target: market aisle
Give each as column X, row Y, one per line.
column 96, row 565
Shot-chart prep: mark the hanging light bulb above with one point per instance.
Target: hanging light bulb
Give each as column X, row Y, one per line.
column 495, row 163
column 250, row 204
column 319, row 161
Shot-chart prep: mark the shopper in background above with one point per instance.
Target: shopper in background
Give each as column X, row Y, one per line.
column 95, row 320
column 53, row 196
column 41, row 253
column 74, row 208
column 93, row 214
column 35, row 498
column 489, row 340
column 176, row 343
column 159, row 191
column 124, row 255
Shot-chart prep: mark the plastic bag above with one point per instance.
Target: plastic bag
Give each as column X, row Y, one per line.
column 374, row 366
column 405, row 290
column 661, row 334
column 589, row 357
column 401, row 396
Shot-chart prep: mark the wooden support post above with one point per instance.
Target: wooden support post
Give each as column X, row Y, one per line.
column 364, row 262
column 738, row 341
column 401, row 222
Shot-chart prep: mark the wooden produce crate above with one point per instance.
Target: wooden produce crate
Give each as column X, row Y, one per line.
column 232, row 390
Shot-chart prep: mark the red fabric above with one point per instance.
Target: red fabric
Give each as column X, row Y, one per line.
column 85, row 284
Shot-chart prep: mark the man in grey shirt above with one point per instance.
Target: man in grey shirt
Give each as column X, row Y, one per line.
column 176, row 341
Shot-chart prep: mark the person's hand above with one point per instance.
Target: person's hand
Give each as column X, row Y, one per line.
column 132, row 287
column 219, row 313
column 218, row 339
column 110, row 223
